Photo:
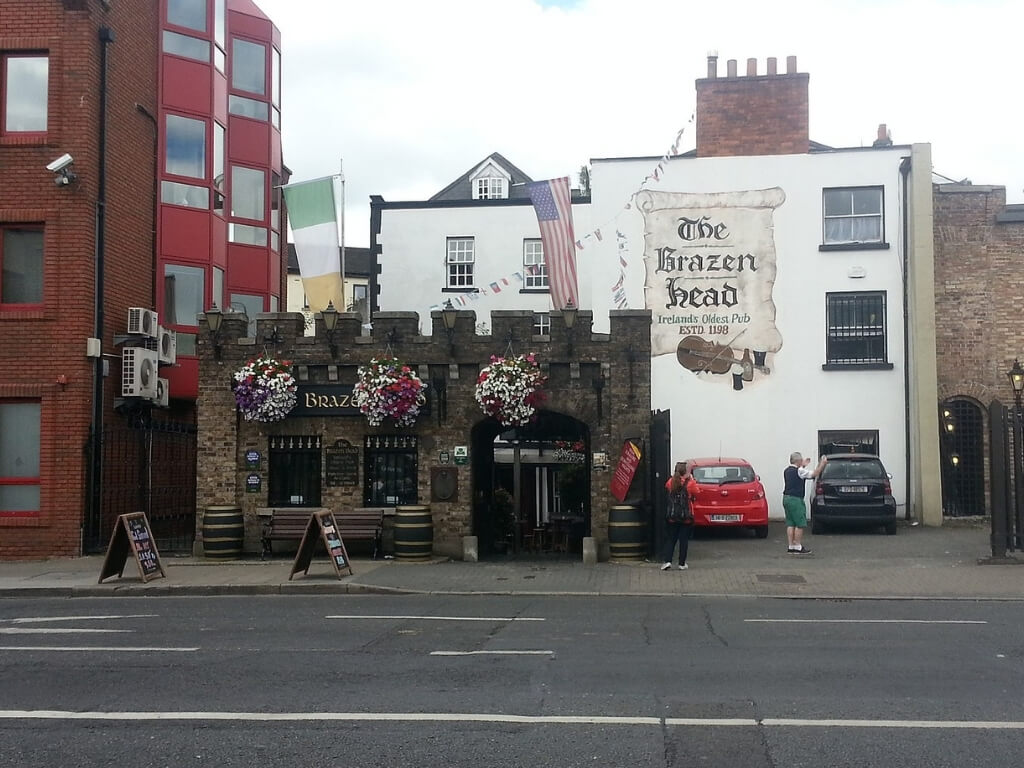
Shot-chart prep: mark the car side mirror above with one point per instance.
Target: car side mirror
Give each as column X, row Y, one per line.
column 757, row 478
column 889, row 475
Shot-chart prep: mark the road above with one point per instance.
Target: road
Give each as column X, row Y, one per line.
column 509, row 681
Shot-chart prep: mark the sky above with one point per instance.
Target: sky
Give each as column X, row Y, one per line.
column 407, row 95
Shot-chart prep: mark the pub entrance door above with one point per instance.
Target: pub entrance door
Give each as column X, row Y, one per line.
column 531, row 487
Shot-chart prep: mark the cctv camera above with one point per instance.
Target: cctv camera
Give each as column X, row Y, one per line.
column 60, row 163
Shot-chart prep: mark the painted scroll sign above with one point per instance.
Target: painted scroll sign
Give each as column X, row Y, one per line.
column 710, row 269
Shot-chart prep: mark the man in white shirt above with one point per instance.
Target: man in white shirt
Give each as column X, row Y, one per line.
column 795, row 478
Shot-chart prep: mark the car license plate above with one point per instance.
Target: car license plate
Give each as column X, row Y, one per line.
column 725, row 518
column 854, row 489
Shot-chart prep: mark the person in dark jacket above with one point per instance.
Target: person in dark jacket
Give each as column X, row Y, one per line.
column 679, row 519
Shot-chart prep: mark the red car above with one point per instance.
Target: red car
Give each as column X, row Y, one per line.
column 728, row 493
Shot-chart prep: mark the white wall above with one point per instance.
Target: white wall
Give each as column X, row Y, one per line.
column 783, row 411
column 413, row 248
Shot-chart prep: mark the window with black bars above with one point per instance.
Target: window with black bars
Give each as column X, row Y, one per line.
column 294, row 471
column 390, row 470
column 856, row 328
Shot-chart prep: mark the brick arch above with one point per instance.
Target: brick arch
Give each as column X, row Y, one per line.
column 973, row 390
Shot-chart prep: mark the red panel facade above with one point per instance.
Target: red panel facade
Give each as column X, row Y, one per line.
column 43, row 343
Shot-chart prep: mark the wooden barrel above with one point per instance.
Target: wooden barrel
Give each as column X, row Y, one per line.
column 223, row 532
column 627, row 533
column 414, row 533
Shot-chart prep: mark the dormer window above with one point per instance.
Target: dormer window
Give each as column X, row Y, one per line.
column 490, row 189
column 490, row 181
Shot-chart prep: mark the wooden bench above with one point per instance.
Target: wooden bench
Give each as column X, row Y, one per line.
column 356, row 524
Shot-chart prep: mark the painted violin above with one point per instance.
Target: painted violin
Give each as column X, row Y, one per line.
column 700, row 355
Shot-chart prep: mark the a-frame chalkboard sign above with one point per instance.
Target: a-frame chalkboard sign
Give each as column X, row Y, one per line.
column 322, row 527
column 132, row 536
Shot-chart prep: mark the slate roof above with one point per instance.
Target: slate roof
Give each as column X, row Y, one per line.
column 461, row 189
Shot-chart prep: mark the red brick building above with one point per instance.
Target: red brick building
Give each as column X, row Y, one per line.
column 979, row 288
column 140, row 153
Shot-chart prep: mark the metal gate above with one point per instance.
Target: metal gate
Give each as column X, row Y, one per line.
column 148, row 465
column 1007, row 478
column 659, row 470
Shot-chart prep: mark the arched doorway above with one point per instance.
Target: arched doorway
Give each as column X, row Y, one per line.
column 531, row 487
column 962, row 454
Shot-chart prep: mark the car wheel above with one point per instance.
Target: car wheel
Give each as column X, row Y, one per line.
column 761, row 531
column 890, row 528
column 817, row 526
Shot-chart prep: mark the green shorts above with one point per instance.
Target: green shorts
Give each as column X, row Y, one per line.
column 796, row 511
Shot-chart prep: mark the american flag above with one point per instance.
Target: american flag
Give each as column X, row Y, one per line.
column 552, row 202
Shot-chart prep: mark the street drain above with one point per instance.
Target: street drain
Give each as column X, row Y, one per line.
column 781, row 578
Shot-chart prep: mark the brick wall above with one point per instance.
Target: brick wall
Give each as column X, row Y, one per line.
column 40, row 347
column 223, row 438
column 979, row 289
column 752, row 114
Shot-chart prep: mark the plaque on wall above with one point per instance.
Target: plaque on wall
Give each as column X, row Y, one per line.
column 444, row 484
column 341, row 464
column 252, row 459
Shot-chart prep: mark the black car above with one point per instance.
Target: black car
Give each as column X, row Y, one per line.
column 853, row 488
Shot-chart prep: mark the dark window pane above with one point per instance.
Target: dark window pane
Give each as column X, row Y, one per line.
column 294, row 471
column 21, row 266
column 187, row 13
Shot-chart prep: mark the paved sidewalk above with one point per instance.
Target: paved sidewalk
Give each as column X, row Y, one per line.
column 951, row 562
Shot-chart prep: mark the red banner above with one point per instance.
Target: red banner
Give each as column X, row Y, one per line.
column 629, row 460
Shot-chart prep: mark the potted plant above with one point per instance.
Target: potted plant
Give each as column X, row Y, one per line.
column 265, row 389
column 388, row 389
column 510, row 389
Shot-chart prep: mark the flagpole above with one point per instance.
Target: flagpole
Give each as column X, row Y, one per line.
column 341, row 174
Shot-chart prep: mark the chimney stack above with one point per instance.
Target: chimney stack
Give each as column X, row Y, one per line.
column 884, row 137
column 755, row 114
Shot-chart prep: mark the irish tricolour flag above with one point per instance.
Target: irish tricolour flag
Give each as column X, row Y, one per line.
column 314, row 224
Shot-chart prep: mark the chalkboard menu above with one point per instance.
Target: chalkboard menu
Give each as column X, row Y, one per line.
column 342, row 466
column 133, row 537
column 322, row 527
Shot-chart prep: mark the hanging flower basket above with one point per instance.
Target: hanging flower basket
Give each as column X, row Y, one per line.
column 570, row 453
column 265, row 389
column 388, row 389
column 510, row 389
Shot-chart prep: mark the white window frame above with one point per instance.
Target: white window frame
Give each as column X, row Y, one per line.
column 460, row 259
column 541, row 324
column 845, row 217
column 533, row 256
column 489, row 188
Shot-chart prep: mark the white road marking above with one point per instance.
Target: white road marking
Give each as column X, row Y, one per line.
column 492, row 653
column 38, row 619
column 457, row 717
column 131, row 649
column 862, row 621
column 55, row 631
column 438, row 618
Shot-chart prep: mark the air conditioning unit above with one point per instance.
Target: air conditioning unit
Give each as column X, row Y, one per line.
column 163, row 393
column 166, row 345
column 138, row 372
column 142, row 321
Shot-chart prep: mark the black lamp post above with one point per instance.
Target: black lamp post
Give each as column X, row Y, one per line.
column 330, row 316
column 569, row 318
column 449, row 314
column 214, row 318
column 1016, row 376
